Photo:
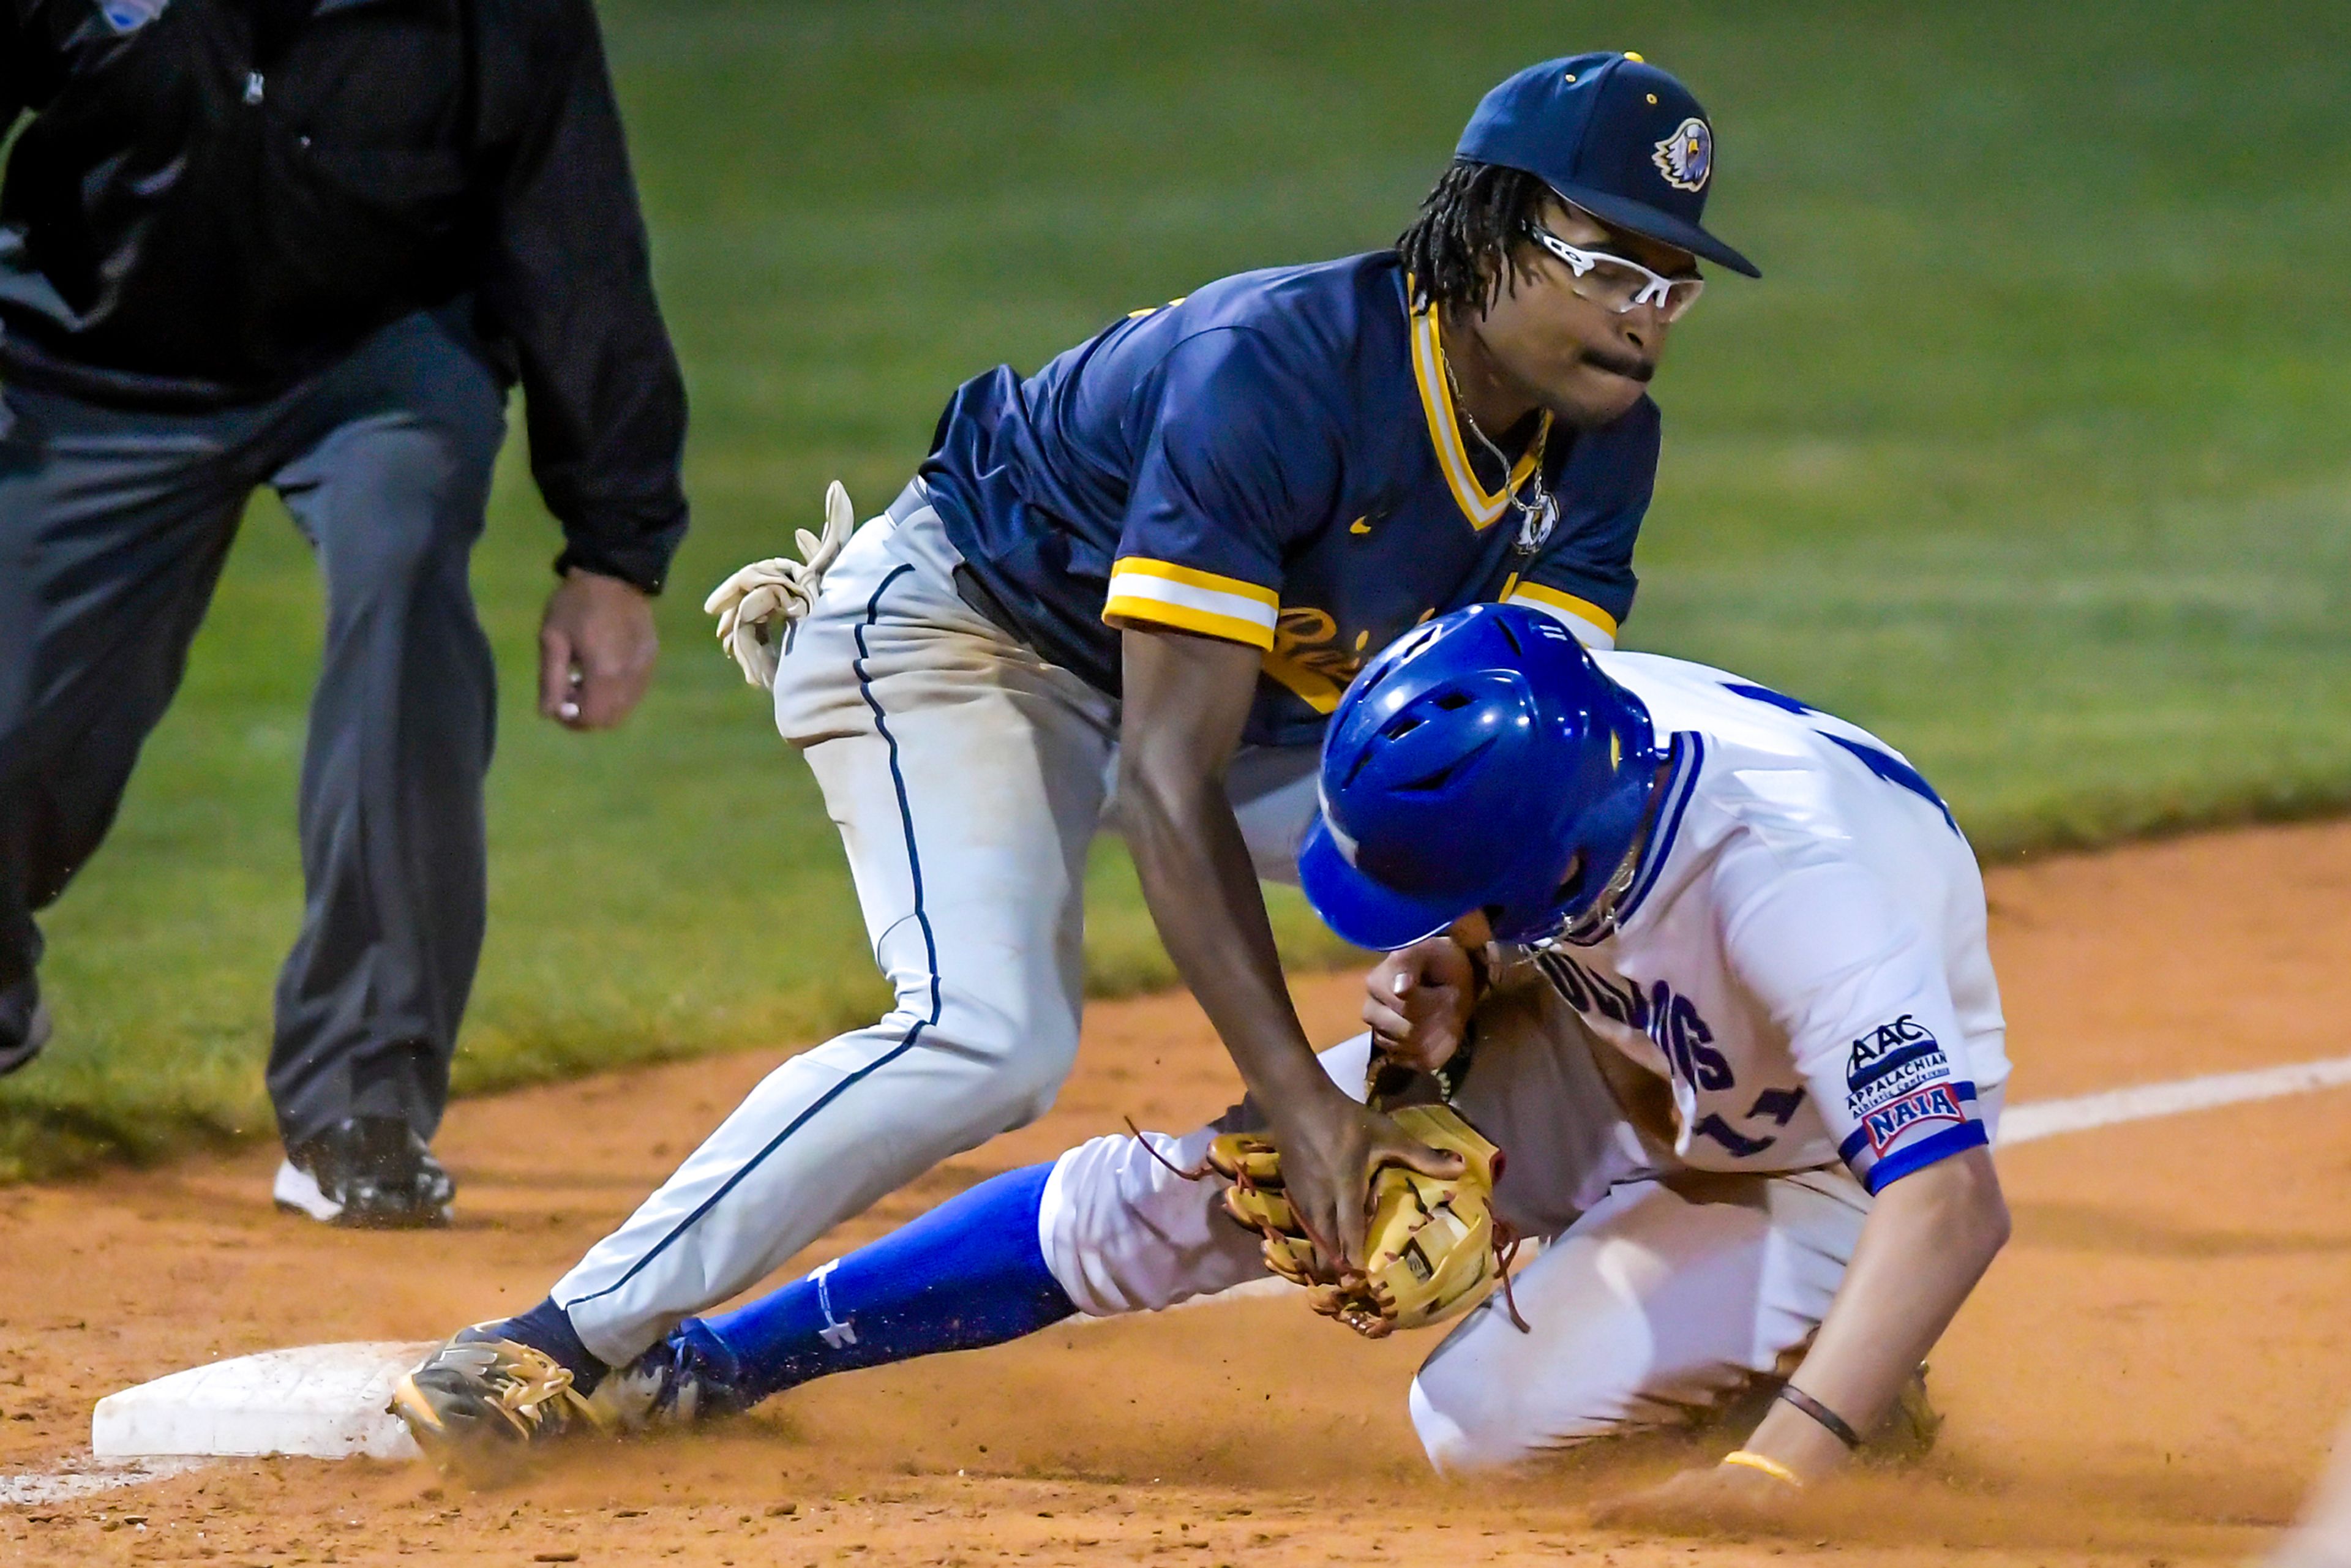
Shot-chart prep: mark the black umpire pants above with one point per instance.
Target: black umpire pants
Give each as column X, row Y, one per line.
column 113, row 528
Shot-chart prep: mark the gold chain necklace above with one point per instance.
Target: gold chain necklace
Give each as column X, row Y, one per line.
column 1539, row 511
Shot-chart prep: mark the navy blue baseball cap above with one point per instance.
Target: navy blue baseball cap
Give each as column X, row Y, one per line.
column 1615, row 136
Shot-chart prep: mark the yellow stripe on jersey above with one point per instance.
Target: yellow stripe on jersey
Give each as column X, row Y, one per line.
column 1593, row 626
column 1479, row 504
column 1157, row 593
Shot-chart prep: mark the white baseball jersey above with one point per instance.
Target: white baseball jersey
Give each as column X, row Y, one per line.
column 1801, row 955
column 1799, row 975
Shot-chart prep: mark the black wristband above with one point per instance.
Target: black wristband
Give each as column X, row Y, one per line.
column 1820, row 1413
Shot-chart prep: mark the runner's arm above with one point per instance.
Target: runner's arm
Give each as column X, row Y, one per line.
column 1863, row 993
column 1928, row 1240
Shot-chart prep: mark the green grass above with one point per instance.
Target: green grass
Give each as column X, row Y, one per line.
column 2028, row 452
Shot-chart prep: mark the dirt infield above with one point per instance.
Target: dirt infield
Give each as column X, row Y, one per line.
column 2150, row 1376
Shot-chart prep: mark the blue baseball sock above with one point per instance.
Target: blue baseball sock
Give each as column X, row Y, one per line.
column 969, row 1273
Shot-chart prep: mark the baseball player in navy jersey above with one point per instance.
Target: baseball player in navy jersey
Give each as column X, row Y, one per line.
column 1707, row 963
column 1131, row 589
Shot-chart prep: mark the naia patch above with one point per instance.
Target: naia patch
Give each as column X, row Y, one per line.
column 1922, row 1107
column 124, row 17
column 1686, row 157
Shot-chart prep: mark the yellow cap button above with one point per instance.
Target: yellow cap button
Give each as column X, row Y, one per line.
column 1631, row 56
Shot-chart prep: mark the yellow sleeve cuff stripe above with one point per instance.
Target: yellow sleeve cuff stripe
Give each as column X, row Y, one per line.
column 1594, row 627
column 1135, row 566
column 1157, row 593
column 1135, row 609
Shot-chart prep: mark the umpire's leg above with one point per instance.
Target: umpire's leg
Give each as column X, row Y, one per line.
column 112, row 530
column 391, row 495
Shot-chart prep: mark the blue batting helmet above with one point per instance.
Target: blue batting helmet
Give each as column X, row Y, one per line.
column 1482, row 761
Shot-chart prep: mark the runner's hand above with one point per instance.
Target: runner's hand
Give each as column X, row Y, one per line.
column 1417, row 1003
column 1699, row 1500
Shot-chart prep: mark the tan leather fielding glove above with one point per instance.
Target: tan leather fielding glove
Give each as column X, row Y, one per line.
column 1431, row 1249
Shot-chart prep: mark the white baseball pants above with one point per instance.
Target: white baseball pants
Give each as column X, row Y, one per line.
column 1660, row 1295
column 967, row 777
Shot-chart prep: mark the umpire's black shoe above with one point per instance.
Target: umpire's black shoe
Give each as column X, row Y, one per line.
column 371, row 1173
column 23, row 1025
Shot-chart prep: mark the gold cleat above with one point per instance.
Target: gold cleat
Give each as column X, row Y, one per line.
column 480, row 1404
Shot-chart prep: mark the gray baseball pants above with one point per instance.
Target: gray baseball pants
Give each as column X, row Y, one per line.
column 969, row 776
column 113, row 528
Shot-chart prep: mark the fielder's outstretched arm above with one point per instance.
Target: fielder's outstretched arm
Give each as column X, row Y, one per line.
column 1187, row 700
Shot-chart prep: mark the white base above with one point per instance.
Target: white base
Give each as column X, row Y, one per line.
column 321, row 1401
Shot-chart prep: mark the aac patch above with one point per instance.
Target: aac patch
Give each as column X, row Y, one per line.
column 1686, row 157
column 124, row 17
column 1896, row 1049
column 1935, row 1102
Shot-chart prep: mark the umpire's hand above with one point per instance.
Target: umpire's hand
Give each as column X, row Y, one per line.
column 596, row 651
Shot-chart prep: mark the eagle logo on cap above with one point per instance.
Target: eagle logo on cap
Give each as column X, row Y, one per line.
column 1686, row 157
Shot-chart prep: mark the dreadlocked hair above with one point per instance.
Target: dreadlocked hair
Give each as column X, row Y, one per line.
column 1460, row 251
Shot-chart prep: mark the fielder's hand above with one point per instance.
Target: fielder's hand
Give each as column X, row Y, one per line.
column 1417, row 1003
column 1431, row 1247
column 1328, row 1153
column 750, row 603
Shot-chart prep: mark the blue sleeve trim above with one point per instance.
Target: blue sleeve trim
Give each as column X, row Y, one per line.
column 1963, row 1090
column 1924, row 1153
column 1689, row 753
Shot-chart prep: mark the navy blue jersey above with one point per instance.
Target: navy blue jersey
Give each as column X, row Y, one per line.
column 1273, row 460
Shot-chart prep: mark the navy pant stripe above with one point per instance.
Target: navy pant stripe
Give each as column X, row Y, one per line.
column 898, row 781
column 913, row 1035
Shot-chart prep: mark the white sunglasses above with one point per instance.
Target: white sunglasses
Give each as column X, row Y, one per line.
column 1617, row 283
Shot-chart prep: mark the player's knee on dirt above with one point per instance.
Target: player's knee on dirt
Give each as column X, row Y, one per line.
column 1451, row 1443
column 1658, row 1304
column 1492, row 1396
column 1471, row 1422
column 1466, row 1417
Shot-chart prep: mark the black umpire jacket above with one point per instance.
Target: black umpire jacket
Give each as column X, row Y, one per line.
column 217, row 198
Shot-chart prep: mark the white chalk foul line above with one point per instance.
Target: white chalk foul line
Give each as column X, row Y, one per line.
column 83, row 1475
column 2048, row 1118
